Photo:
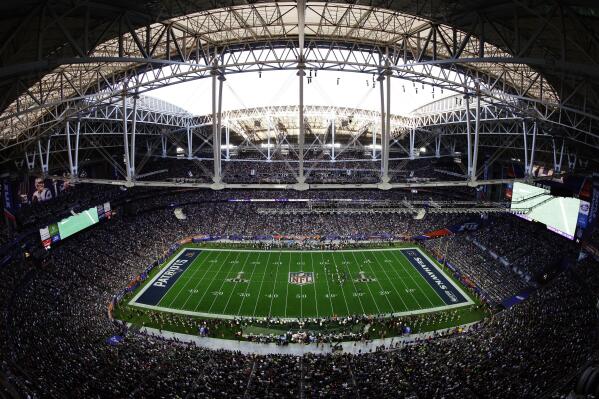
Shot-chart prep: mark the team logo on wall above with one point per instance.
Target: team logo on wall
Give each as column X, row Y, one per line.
column 301, row 278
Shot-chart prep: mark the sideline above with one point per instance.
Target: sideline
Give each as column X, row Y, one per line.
column 295, row 349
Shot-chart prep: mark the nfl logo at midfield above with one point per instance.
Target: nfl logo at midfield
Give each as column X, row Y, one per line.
column 301, row 278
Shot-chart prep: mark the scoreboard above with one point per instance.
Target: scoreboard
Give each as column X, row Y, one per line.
column 56, row 232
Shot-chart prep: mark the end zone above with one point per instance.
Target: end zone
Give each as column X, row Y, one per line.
column 449, row 292
column 155, row 290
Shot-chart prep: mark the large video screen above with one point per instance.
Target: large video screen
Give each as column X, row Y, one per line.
column 67, row 227
column 560, row 214
column 71, row 225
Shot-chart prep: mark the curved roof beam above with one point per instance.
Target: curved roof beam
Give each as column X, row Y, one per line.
column 262, row 36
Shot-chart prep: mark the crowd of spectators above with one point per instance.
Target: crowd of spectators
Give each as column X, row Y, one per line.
column 502, row 234
column 55, row 324
column 496, row 280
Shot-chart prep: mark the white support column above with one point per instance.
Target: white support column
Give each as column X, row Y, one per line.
column 219, row 112
column 387, row 125
column 412, row 135
column 73, row 160
column 554, row 151
column 228, row 141
column 381, row 79
column 374, row 139
column 47, row 155
column 333, row 139
column 189, row 142
column 468, row 139
column 302, row 134
column 438, row 146
column 476, row 134
column 163, row 143
column 525, row 137
column 44, row 158
column 216, row 142
column 67, row 129
column 571, row 161
column 133, row 134
column 301, row 24
column 30, row 162
column 533, row 148
column 41, row 156
column 561, row 157
column 126, row 138
column 76, row 158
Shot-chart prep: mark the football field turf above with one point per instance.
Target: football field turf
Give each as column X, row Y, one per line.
column 300, row 284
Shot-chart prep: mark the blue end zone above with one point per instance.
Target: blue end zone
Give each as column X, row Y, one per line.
column 444, row 288
column 167, row 277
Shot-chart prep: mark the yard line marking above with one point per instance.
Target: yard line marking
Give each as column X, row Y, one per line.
column 377, row 280
column 231, row 317
column 306, row 250
column 355, row 290
column 287, row 294
column 210, row 284
column 407, row 272
column 329, row 290
column 301, row 290
column 272, row 294
column 456, row 286
column 382, row 267
column 234, row 286
column 222, row 284
column 247, row 287
column 161, row 268
column 182, row 289
column 314, row 285
column 262, row 283
column 378, row 310
column 422, row 279
column 205, row 273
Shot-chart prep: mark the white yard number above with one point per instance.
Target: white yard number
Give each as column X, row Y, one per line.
column 330, row 296
column 272, row 295
column 300, row 296
column 217, row 293
column 244, row 294
column 194, row 291
column 358, row 294
column 410, row 290
column 384, row 292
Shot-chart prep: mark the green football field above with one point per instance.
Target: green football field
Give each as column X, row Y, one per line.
column 300, row 284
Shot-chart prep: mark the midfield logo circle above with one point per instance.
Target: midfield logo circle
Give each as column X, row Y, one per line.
column 301, row 278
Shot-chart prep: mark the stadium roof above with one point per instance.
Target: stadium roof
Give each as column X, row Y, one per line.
column 53, row 54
